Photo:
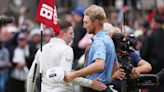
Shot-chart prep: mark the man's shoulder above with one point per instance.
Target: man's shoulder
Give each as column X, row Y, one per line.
column 61, row 47
column 103, row 36
column 66, row 49
column 69, row 48
column 103, row 39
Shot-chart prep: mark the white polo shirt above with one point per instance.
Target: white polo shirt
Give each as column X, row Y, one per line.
column 56, row 53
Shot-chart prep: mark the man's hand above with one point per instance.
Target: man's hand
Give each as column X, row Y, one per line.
column 21, row 65
column 119, row 74
column 96, row 85
column 70, row 76
column 135, row 73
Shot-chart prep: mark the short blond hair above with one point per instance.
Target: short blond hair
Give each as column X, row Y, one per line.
column 95, row 12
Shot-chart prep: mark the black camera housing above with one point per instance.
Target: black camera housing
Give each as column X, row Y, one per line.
column 124, row 46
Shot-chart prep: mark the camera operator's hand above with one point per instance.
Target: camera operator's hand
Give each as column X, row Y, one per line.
column 135, row 73
column 119, row 74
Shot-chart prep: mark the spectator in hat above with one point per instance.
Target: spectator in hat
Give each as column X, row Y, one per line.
column 157, row 22
column 34, row 44
column 20, row 59
column 145, row 26
column 47, row 35
column 153, row 49
column 160, row 10
column 79, row 33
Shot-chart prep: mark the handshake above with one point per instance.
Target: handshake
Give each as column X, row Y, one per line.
column 95, row 84
column 57, row 74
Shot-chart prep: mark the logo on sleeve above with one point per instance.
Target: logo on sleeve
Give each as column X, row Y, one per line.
column 68, row 59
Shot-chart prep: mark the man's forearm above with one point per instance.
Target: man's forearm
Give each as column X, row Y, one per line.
column 97, row 66
column 144, row 67
column 82, row 82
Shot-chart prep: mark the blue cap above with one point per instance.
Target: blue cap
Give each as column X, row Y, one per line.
column 159, row 19
column 78, row 10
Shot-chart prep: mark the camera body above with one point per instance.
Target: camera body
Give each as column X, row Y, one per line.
column 125, row 45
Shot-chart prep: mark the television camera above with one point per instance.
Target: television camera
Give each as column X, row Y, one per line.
column 125, row 45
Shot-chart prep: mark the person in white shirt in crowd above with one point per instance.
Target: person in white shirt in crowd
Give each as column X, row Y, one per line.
column 57, row 56
column 34, row 44
column 20, row 59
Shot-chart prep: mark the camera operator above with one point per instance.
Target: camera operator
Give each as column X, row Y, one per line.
column 139, row 66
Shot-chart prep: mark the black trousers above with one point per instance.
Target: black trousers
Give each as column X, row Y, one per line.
column 91, row 90
column 18, row 86
column 160, row 88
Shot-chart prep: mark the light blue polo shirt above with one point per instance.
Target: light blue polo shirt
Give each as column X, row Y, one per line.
column 102, row 47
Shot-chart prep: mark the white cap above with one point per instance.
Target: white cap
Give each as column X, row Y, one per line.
column 35, row 31
column 48, row 32
column 21, row 36
column 12, row 29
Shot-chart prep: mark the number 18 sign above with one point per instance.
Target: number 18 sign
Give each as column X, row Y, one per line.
column 47, row 14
